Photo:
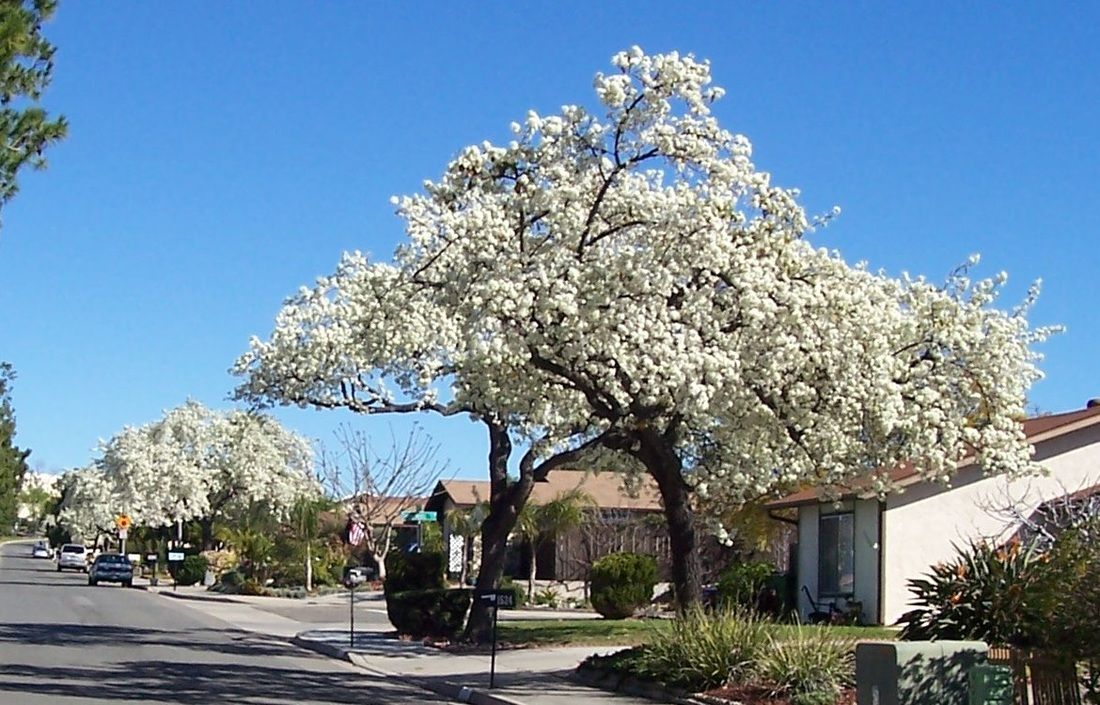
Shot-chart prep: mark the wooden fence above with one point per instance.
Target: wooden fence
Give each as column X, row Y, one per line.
column 1038, row 679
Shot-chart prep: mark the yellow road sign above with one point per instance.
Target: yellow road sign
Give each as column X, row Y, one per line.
column 122, row 521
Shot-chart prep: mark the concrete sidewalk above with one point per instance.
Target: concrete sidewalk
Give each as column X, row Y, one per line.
column 523, row 676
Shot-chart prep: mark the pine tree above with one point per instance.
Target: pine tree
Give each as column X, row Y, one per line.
column 26, row 65
column 13, row 460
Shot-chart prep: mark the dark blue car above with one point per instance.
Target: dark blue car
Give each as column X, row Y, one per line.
column 111, row 568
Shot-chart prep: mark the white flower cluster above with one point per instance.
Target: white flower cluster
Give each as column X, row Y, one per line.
column 635, row 270
column 192, row 463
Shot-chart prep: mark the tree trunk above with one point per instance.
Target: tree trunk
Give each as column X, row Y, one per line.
column 207, row 526
column 465, row 561
column 531, row 575
column 309, row 567
column 380, row 561
column 661, row 460
column 505, row 501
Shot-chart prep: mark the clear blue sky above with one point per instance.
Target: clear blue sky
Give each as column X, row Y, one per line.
column 223, row 154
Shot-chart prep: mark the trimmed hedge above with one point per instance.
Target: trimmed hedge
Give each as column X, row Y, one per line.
column 436, row 613
column 192, row 570
column 413, row 571
column 622, row 583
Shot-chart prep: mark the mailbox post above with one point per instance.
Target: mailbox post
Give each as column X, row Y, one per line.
column 353, row 577
column 495, row 599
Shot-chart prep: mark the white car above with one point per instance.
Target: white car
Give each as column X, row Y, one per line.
column 73, row 556
column 41, row 550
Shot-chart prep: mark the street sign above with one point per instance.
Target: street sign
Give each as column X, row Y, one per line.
column 175, row 556
column 122, row 521
column 496, row 598
column 419, row 516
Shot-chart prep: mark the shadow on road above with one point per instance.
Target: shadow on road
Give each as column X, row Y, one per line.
column 201, row 683
column 81, row 635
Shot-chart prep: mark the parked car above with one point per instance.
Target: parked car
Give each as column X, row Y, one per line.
column 41, row 550
column 73, row 556
column 111, row 568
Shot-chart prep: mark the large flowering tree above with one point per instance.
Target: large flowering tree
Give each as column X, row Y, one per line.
column 629, row 277
column 197, row 464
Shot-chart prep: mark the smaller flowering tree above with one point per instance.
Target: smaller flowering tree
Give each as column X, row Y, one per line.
column 87, row 507
column 198, row 464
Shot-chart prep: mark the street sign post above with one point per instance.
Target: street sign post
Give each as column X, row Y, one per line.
column 174, row 560
column 353, row 577
column 495, row 599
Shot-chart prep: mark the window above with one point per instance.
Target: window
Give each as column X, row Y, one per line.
column 836, row 543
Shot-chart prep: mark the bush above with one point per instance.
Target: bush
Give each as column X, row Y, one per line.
column 192, row 570
column 701, row 651
column 231, row 578
column 809, row 668
column 1000, row 595
column 436, row 612
column 519, row 593
column 413, row 571
column 740, row 584
column 621, row 583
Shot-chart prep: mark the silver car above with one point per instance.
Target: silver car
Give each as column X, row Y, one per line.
column 73, row 556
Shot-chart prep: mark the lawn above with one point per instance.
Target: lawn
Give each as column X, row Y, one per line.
column 627, row 632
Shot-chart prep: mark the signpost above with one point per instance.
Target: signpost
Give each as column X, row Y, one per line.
column 122, row 523
column 174, row 560
column 495, row 599
column 418, row 518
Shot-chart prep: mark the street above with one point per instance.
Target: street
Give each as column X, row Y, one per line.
column 62, row 641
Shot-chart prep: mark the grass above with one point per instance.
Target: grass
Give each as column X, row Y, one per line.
column 630, row 632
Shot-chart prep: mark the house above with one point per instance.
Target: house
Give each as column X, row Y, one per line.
column 618, row 521
column 861, row 551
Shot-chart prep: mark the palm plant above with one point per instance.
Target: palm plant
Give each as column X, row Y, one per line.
column 539, row 523
column 467, row 524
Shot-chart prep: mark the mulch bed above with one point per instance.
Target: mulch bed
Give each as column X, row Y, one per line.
column 755, row 695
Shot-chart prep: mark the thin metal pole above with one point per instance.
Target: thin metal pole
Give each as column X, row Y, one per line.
column 493, row 658
column 351, row 610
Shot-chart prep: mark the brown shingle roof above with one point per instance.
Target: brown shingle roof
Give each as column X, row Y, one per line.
column 1038, row 428
column 604, row 488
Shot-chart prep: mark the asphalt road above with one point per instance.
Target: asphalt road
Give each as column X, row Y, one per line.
column 64, row 642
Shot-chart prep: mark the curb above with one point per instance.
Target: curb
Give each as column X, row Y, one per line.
column 449, row 690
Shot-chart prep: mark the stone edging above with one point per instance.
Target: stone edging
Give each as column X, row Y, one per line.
column 614, row 681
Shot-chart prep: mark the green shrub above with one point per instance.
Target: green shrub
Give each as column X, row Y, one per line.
column 252, row 587
column 518, row 591
column 740, row 584
column 413, row 571
column 1000, row 595
column 621, row 583
column 436, row 612
column 547, row 598
column 231, row 578
column 700, row 651
column 810, row 668
column 191, row 570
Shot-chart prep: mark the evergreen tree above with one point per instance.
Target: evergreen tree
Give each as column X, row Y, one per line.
column 26, row 65
column 13, row 460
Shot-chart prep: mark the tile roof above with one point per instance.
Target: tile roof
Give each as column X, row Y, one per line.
column 1037, row 428
column 604, row 488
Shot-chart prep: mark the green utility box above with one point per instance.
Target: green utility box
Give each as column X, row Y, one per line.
column 991, row 685
column 916, row 672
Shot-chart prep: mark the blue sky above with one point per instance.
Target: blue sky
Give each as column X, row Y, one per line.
column 222, row 155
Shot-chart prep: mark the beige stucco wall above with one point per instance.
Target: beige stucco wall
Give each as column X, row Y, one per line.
column 922, row 526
